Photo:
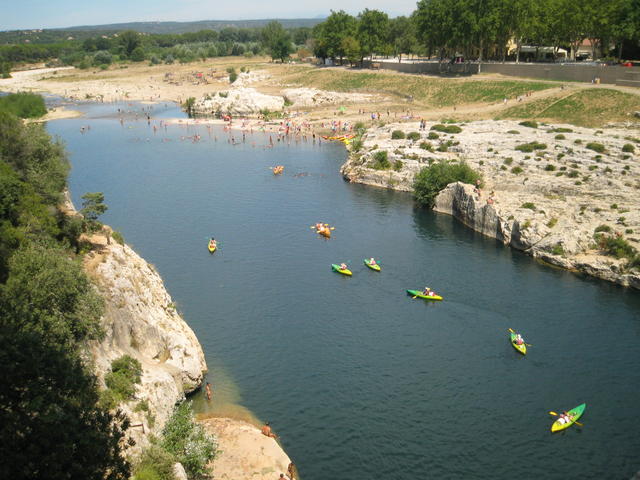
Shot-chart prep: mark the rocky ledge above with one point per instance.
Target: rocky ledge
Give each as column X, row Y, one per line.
column 547, row 189
column 244, row 452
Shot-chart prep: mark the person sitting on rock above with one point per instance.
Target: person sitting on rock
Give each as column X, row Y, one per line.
column 266, row 430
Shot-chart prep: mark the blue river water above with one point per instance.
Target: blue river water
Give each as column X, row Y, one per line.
column 360, row 380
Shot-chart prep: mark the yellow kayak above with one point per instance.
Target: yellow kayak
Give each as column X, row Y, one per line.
column 337, row 268
column 521, row 348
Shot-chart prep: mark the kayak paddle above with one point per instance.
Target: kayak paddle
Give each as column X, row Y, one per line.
column 574, row 421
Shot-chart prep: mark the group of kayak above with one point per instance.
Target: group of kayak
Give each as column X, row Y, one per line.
column 278, row 169
column 426, row 293
column 565, row 419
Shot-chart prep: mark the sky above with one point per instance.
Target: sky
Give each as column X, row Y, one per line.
column 31, row 14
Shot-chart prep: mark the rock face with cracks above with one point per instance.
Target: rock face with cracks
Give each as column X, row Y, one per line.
column 141, row 321
column 546, row 190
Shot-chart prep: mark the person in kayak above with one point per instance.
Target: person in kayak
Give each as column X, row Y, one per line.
column 212, row 242
column 427, row 291
column 565, row 418
column 343, row 266
column 372, row 261
column 519, row 340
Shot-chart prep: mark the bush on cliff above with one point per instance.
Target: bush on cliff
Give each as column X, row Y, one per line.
column 433, row 179
column 188, row 442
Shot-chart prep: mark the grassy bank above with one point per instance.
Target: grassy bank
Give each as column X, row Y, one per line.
column 429, row 91
column 587, row 108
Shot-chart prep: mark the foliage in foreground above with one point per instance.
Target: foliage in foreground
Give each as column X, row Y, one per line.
column 50, row 423
column 183, row 440
column 23, row 105
column 433, row 179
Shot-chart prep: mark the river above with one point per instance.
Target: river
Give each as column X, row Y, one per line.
column 359, row 380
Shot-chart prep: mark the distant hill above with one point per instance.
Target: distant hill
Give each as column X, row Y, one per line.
column 183, row 27
column 53, row 35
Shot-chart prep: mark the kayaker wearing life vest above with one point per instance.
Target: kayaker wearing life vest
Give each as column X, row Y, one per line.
column 427, row 291
column 212, row 242
column 372, row 261
column 564, row 417
column 343, row 266
column 519, row 340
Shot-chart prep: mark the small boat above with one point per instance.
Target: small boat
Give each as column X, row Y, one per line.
column 418, row 293
column 337, row 268
column 574, row 414
column 521, row 348
column 375, row 267
column 212, row 247
column 277, row 170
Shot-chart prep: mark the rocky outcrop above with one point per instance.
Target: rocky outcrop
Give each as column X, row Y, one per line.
column 244, row 452
column 546, row 190
column 312, row 97
column 536, row 239
column 238, row 101
column 141, row 321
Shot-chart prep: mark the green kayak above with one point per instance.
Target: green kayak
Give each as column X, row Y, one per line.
column 418, row 293
column 574, row 415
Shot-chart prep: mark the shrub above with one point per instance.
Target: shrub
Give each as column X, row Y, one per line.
column 517, row 170
column 628, row 148
column 562, row 130
column 602, row 228
column 513, row 132
column 446, row 128
column 530, row 147
column 121, row 381
column 431, row 180
column 137, row 55
column 573, row 174
column 560, row 137
column 360, row 127
column 549, row 167
column 154, row 463
column 397, row 165
column 117, row 236
column 577, row 141
column 616, row 246
column 102, row 57
column 508, row 161
column 426, row 146
column 596, row 147
column 23, row 105
column 433, row 136
column 552, row 222
column 380, row 161
column 613, row 206
column 414, row 136
column 529, row 123
column 356, row 144
column 188, row 441
column 528, row 205
column 557, row 249
column 397, row 135
column 593, row 167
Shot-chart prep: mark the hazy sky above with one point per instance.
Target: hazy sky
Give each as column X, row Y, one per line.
column 26, row 14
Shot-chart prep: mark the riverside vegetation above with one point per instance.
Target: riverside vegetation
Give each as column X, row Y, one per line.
column 56, row 420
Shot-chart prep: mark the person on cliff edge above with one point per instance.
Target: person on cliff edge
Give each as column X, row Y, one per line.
column 266, row 430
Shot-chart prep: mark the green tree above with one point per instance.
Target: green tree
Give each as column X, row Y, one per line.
column 189, row 103
column 137, row 55
column 352, row 49
column 129, row 40
column 402, row 32
column 372, row 31
column 92, row 207
column 277, row 40
column 335, row 29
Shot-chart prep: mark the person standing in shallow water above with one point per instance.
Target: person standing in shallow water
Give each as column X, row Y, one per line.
column 208, row 391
